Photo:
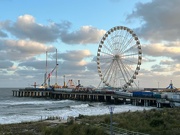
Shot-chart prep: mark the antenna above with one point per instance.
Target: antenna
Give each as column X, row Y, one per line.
column 56, row 67
column 45, row 76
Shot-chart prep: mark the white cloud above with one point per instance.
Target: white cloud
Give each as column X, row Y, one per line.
column 75, row 55
column 26, row 27
column 86, row 35
column 161, row 50
column 21, row 49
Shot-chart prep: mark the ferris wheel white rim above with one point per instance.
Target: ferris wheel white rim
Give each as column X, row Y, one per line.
column 119, row 51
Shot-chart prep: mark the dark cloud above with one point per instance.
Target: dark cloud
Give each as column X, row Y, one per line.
column 177, row 73
column 158, row 68
column 92, row 66
column 167, row 62
column 30, row 73
column 33, row 64
column 176, row 58
column 160, row 20
column 3, row 34
column 5, row 64
column 147, row 59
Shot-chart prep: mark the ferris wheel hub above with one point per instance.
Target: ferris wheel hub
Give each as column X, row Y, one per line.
column 117, row 56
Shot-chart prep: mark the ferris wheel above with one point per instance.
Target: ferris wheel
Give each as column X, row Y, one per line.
column 119, row 57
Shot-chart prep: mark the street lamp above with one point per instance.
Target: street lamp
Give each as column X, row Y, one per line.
column 111, row 109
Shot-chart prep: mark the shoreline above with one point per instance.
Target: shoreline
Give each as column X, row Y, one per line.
column 155, row 121
column 103, row 111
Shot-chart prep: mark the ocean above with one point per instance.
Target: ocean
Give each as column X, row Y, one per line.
column 24, row 109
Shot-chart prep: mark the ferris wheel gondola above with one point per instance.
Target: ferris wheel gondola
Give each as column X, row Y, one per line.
column 119, row 57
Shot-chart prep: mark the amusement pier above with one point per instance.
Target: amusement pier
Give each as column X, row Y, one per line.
column 152, row 97
column 119, row 57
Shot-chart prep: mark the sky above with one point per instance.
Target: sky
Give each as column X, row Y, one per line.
column 29, row 28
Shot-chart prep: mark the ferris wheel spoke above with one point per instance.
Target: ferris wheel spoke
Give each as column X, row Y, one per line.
column 106, row 64
column 115, row 40
column 124, row 40
column 113, row 77
column 132, row 48
column 107, row 70
column 127, row 74
column 130, row 55
column 121, row 70
column 110, row 73
column 127, row 43
column 117, row 77
column 106, row 58
column 130, row 63
column 127, row 70
column 110, row 45
column 108, row 49
column 109, row 54
column 136, row 85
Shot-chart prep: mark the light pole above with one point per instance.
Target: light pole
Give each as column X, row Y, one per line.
column 64, row 81
column 111, row 109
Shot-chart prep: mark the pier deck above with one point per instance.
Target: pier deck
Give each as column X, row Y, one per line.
column 92, row 97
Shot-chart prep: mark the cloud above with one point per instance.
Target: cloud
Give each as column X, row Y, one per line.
column 85, row 35
column 17, row 50
column 34, row 64
column 158, row 68
column 177, row 73
column 3, row 34
column 161, row 50
column 26, row 28
column 166, row 62
column 75, row 55
column 159, row 29
column 159, row 18
column 73, row 64
column 6, row 64
column 24, row 41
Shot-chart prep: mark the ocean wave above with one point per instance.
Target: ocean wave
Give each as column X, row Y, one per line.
column 80, row 106
column 57, row 108
column 36, row 102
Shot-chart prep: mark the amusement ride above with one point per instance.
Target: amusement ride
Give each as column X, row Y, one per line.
column 119, row 58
